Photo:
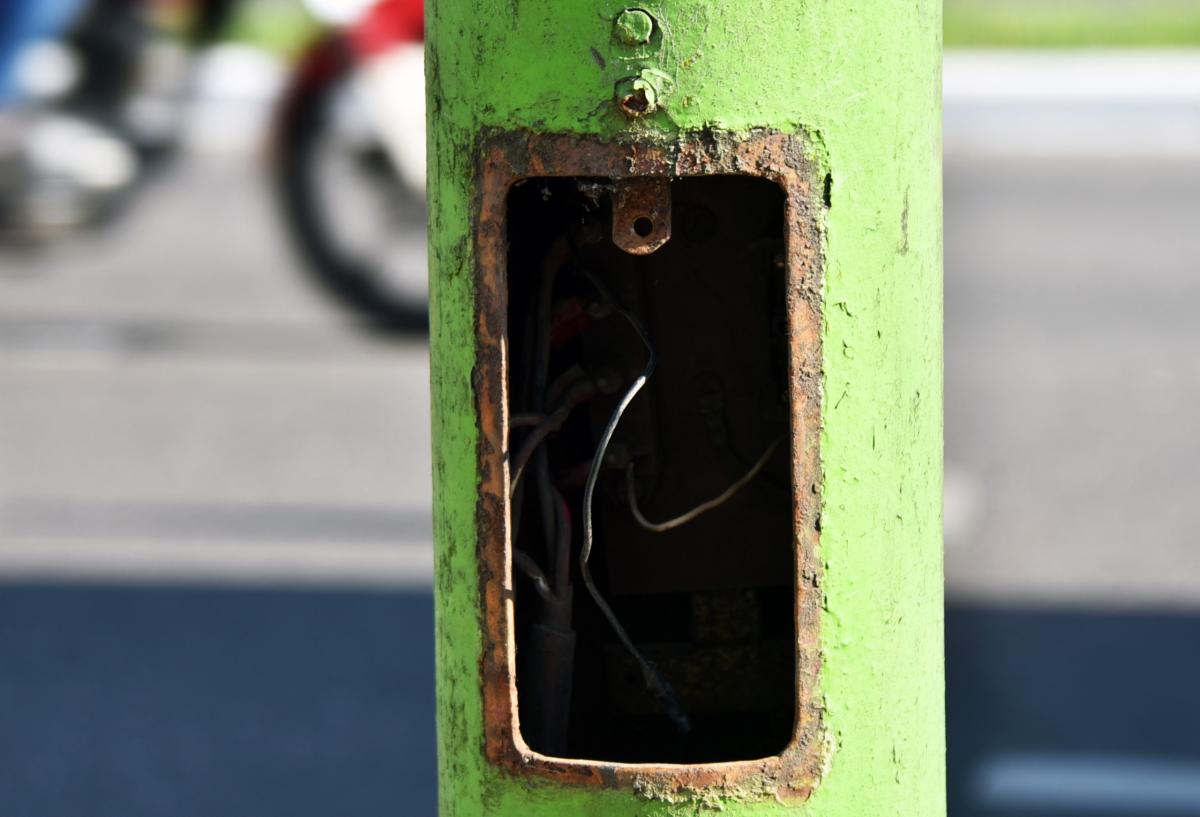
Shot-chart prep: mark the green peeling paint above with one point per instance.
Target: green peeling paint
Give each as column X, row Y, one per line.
column 633, row 27
column 862, row 80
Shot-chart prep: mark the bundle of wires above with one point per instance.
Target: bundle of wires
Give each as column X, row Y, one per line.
column 532, row 455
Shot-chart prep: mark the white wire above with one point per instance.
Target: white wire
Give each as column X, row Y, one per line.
column 715, row 502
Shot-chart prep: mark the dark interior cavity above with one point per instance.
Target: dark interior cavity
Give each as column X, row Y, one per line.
column 707, row 603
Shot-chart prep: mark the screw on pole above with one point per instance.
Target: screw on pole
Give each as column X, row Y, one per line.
column 633, row 27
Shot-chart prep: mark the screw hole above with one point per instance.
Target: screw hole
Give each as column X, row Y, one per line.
column 636, row 103
column 643, row 226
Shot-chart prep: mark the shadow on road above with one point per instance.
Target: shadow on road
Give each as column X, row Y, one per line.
column 1072, row 712
column 199, row 702
column 186, row 701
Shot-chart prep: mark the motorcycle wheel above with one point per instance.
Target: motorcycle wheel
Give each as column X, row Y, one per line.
column 360, row 232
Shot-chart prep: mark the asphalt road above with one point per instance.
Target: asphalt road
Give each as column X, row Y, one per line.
column 118, row 701
column 214, row 536
column 1072, row 381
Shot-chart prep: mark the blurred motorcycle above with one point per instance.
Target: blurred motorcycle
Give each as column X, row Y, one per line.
column 91, row 93
column 91, row 100
column 349, row 160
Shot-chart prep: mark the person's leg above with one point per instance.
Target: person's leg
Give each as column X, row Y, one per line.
column 212, row 18
column 109, row 41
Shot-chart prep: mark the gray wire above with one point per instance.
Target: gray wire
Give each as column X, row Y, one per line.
column 544, row 429
column 654, row 681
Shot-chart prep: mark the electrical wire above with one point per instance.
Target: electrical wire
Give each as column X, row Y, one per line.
column 555, row 259
column 562, row 567
column 537, row 362
column 541, row 431
column 564, row 383
column 525, row 420
column 581, row 391
column 715, row 502
column 529, row 567
column 654, row 681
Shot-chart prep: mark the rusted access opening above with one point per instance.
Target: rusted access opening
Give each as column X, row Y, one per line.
column 683, row 649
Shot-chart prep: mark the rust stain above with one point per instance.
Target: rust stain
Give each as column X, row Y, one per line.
column 641, row 220
column 506, row 158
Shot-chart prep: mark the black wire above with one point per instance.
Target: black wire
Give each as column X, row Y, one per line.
column 525, row 563
column 535, row 438
column 554, row 259
column 654, row 681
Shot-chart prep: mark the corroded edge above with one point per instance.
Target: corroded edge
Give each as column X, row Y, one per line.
column 505, row 157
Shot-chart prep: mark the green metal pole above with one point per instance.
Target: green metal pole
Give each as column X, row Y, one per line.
column 861, row 83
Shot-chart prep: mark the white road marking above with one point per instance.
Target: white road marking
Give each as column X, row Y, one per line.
column 223, row 563
column 1072, row 103
column 1087, row 784
column 1072, row 76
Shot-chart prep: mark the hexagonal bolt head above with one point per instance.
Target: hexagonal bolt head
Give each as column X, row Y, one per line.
column 633, row 27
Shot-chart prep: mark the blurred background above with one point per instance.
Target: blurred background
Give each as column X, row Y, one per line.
column 215, row 544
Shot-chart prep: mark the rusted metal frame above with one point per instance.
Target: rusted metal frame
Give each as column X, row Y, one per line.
column 508, row 157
